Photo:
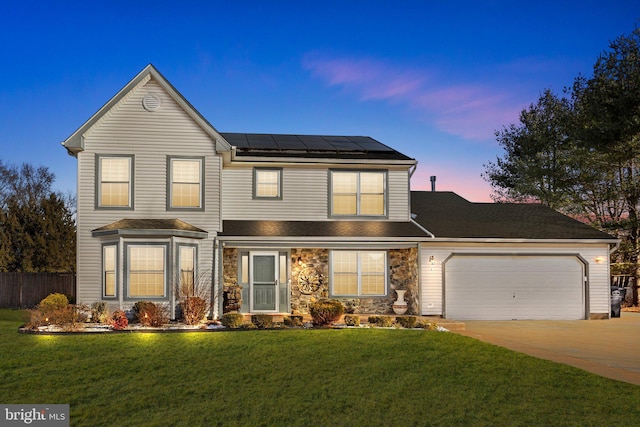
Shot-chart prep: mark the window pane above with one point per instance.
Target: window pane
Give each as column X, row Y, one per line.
column 245, row 269
column 373, row 262
column 264, row 269
column 345, row 182
column 267, row 183
column 345, row 262
column 115, row 169
column 185, row 195
column 109, row 273
column 185, row 185
column 372, row 182
column 344, row 204
column 345, row 284
column 146, row 271
column 186, row 171
column 372, row 285
column 372, row 204
column 187, row 269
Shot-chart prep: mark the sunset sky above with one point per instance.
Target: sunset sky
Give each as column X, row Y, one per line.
column 432, row 79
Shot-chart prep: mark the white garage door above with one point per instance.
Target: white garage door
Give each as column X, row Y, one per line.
column 501, row 287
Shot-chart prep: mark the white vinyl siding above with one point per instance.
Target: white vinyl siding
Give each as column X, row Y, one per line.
column 305, row 195
column 129, row 129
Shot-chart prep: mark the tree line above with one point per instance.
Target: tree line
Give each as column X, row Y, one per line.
column 579, row 151
column 37, row 224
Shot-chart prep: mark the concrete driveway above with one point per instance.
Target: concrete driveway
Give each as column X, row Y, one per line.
column 610, row 348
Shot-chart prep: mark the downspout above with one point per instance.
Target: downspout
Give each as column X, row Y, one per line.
column 422, row 228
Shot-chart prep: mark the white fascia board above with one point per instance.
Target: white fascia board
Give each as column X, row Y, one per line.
column 502, row 240
column 317, row 243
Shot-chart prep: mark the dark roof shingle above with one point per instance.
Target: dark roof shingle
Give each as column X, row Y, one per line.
column 446, row 214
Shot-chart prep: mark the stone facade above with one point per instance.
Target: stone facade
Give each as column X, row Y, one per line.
column 310, row 282
column 231, row 290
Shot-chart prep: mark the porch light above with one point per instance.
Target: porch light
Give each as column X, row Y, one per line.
column 299, row 260
column 432, row 260
column 599, row 259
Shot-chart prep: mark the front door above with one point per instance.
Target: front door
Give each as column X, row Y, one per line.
column 264, row 281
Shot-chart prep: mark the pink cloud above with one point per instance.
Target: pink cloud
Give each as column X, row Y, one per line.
column 472, row 111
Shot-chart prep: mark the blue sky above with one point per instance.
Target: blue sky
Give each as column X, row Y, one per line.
column 432, row 79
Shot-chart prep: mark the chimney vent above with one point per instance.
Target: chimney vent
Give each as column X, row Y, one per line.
column 433, row 182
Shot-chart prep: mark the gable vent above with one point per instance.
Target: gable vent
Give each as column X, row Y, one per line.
column 151, row 102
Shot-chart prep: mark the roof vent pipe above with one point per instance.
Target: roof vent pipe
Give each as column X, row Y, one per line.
column 433, row 182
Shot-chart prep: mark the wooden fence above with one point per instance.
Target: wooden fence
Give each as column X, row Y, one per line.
column 25, row 290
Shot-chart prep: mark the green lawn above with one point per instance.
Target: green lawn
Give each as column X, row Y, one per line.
column 368, row 377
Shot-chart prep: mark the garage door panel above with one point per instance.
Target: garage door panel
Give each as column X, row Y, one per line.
column 514, row 287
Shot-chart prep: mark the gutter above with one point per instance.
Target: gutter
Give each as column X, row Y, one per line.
column 422, row 228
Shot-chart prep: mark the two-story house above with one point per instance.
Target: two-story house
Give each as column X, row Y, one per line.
column 270, row 223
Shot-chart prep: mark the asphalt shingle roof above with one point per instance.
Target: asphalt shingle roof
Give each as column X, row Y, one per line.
column 446, row 214
column 364, row 229
column 152, row 225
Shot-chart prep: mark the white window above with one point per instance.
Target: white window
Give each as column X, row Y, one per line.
column 114, row 185
column 185, row 183
column 358, row 273
column 109, row 262
column 146, row 275
column 267, row 183
column 187, row 265
column 356, row 193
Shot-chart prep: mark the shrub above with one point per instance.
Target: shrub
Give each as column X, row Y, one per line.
column 100, row 312
column 193, row 310
column 150, row 314
column 119, row 320
column 407, row 322
column 293, row 321
column 232, row 320
column 326, row 312
column 380, row 321
column 427, row 325
column 352, row 320
column 53, row 302
column 262, row 321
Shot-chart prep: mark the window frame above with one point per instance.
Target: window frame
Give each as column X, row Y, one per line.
column 99, row 181
column 359, row 274
column 170, row 183
column 256, row 172
column 358, row 195
column 116, row 271
column 178, row 265
column 127, row 270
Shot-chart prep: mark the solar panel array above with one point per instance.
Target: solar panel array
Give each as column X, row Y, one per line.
column 308, row 145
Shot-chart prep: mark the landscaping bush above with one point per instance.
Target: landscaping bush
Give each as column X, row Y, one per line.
column 100, row 312
column 429, row 326
column 293, row 321
column 53, row 302
column 262, row 321
column 232, row 320
column 150, row 314
column 352, row 320
column 380, row 321
column 119, row 320
column 194, row 309
column 407, row 322
column 326, row 312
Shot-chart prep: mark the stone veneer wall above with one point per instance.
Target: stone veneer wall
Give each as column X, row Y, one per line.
column 231, row 290
column 403, row 274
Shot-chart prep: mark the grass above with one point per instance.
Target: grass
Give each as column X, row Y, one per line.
column 351, row 377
